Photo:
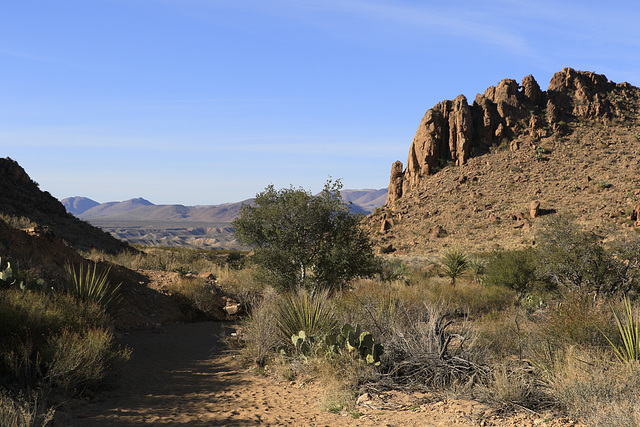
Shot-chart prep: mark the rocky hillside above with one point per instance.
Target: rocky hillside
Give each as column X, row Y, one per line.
column 486, row 175
column 25, row 206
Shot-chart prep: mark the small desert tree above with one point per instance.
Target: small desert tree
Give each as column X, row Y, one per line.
column 304, row 240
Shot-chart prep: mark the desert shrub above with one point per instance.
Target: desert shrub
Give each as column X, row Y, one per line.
column 506, row 334
column 512, row 269
column 38, row 314
column 626, row 253
column 422, row 349
column 394, row 269
column 594, row 390
column 199, row 299
column 575, row 258
column 172, row 259
column 91, row 285
column 80, row 359
column 577, row 319
column 20, row 223
column 241, row 286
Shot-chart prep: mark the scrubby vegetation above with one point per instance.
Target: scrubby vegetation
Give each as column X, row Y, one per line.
column 553, row 326
column 54, row 343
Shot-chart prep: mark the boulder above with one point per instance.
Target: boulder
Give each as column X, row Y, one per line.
column 436, row 231
column 534, row 209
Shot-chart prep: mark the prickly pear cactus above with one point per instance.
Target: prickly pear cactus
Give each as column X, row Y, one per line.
column 353, row 339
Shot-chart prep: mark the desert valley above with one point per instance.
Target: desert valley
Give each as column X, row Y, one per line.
column 495, row 282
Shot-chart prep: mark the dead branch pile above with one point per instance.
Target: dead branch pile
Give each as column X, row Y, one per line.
column 425, row 350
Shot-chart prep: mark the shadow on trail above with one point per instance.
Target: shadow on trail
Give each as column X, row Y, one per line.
column 175, row 377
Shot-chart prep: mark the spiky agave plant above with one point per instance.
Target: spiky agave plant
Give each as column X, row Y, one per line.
column 306, row 311
column 455, row 263
column 629, row 329
column 91, row 285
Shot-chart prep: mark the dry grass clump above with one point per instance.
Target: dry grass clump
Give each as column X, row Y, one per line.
column 18, row 411
column 471, row 298
column 591, row 387
column 578, row 319
column 260, row 330
column 513, row 384
column 506, row 334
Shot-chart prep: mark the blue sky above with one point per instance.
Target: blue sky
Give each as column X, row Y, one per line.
column 206, row 102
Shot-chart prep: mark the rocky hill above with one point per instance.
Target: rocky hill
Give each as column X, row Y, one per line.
column 26, row 207
column 487, row 175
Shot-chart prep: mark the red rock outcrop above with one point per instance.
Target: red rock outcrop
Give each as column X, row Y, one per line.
column 395, row 183
column 453, row 131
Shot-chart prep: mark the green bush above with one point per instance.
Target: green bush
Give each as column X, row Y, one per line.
column 512, row 269
column 575, row 258
column 304, row 240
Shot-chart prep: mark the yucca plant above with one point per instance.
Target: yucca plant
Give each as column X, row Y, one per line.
column 91, row 285
column 477, row 266
column 306, row 311
column 629, row 332
column 455, row 263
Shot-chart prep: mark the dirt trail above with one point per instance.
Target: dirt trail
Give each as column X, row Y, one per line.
column 178, row 375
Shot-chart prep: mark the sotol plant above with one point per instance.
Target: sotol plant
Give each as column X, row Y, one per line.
column 629, row 330
column 91, row 285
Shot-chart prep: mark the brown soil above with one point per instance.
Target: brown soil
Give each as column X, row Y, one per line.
column 181, row 375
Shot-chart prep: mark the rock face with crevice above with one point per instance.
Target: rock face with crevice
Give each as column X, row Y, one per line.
column 453, row 131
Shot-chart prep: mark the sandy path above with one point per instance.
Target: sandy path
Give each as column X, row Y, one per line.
column 178, row 375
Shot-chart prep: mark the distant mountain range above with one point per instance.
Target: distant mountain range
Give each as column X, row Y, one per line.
column 139, row 209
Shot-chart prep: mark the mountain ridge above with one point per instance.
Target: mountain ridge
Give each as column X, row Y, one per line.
column 364, row 201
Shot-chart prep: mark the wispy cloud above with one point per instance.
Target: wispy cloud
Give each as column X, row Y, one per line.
column 36, row 58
